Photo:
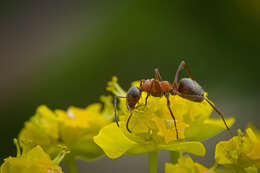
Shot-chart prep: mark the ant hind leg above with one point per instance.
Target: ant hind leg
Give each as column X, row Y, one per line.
column 195, row 97
column 178, row 73
column 220, row 114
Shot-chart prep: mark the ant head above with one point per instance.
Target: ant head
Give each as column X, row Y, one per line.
column 190, row 87
column 133, row 96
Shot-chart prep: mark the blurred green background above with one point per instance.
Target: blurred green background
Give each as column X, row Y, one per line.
column 62, row 53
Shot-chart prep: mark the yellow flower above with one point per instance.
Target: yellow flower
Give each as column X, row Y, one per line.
column 166, row 130
column 42, row 129
column 35, row 160
column 185, row 165
column 78, row 126
column 75, row 128
column 241, row 151
column 152, row 127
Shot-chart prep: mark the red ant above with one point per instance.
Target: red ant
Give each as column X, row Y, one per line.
column 188, row 88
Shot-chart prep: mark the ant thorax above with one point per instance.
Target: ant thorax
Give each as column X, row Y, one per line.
column 155, row 87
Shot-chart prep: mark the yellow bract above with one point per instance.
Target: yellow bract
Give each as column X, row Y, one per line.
column 185, row 165
column 190, row 111
column 166, row 129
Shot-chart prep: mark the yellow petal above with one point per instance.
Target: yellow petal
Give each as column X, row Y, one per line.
column 113, row 141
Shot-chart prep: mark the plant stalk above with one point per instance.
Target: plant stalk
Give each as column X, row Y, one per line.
column 174, row 155
column 70, row 163
column 152, row 157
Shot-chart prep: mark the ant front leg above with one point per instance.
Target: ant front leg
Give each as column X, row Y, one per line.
column 200, row 99
column 169, row 107
column 115, row 103
column 178, row 73
column 128, row 120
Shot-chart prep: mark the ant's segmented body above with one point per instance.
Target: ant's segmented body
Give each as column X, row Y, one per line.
column 187, row 88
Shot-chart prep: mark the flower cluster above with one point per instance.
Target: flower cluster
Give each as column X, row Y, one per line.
column 90, row 133
column 241, row 153
column 153, row 127
column 74, row 128
column 42, row 129
column 35, row 160
column 185, row 165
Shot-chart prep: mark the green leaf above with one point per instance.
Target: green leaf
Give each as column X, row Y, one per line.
column 196, row 148
column 113, row 141
column 206, row 129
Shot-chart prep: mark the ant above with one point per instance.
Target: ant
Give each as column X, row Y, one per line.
column 187, row 88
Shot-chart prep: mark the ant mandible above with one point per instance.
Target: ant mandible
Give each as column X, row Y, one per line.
column 187, row 88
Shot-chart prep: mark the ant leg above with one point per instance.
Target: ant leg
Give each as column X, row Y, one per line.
column 220, row 114
column 168, row 104
column 178, row 73
column 141, row 83
column 157, row 75
column 115, row 103
column 148, row 94
column 194, row 97
column 128, row 120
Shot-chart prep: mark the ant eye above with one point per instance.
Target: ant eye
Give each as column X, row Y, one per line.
column 134, row 92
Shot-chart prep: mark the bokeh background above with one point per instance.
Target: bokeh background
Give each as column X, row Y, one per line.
column 62, row 53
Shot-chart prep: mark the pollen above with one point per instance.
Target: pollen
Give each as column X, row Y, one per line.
column 71, row 114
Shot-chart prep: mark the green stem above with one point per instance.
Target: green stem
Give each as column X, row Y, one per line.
column 17, row 148
column 174, row 155
column 152, row 157
column 70, row 163
column 214, row 166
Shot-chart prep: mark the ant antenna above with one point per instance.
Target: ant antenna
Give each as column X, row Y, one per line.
column 115, row 104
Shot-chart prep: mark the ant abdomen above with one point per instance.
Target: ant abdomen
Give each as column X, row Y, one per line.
column 190, row 87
